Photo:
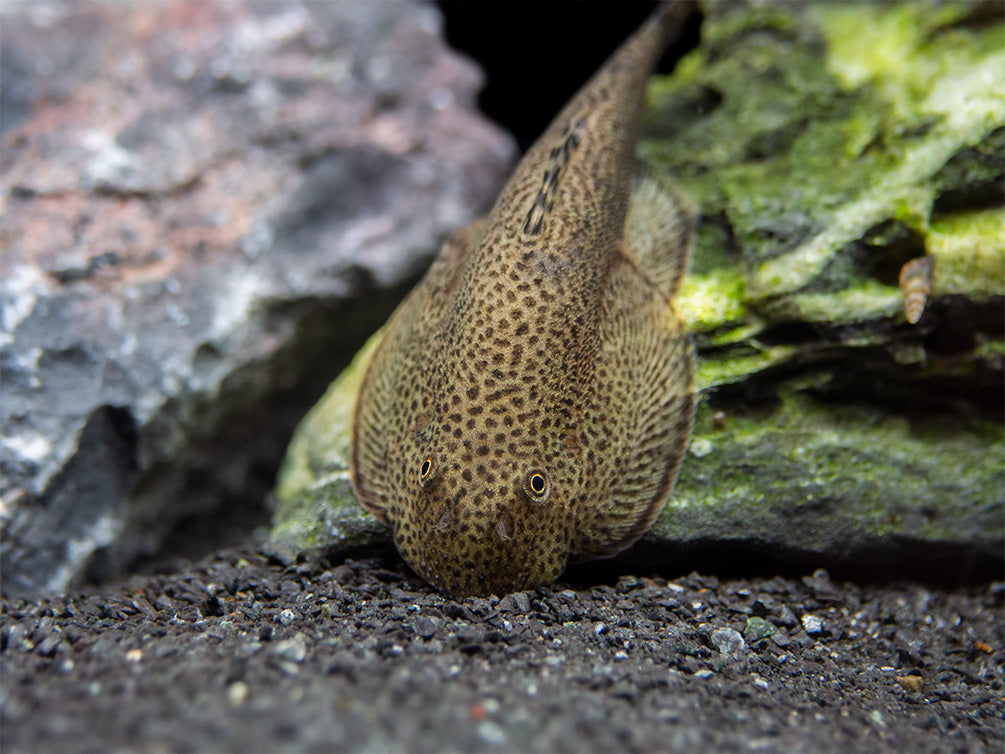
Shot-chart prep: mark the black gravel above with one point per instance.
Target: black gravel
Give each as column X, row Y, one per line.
column 238, row 654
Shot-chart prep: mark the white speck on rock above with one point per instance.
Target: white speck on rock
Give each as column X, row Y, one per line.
column 110, row 164
column 700, row 447
column 78, row 549
column 29, row 446
column 237, row 693
column 233, row 307
column 19, row 289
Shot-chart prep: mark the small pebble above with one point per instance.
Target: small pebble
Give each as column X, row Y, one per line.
column 287, row 616
column 787, row 618
column 758, row 629
column 812, row 624
column 491, row 706
column 728, row 641
column 237, row 693
column 292, row 650
column 491, row 733
column 912, row 684
column 521, row 601
column 703, row 673
column 426, row 627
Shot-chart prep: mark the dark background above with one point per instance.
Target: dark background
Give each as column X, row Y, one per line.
column 515, row 43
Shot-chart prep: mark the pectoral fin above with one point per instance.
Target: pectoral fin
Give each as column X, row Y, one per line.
column 642, row 409
column 659, row 231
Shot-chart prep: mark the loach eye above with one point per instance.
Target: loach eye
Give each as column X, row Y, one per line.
column 535, row 486
column 427, row 470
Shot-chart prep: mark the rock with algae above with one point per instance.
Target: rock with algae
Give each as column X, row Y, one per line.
column 827, row 146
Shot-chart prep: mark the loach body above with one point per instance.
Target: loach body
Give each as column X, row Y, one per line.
column 532, row 399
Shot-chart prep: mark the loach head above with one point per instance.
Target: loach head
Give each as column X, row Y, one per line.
column 483, row 507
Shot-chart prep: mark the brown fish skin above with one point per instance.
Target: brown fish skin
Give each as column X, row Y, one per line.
column 532, row 398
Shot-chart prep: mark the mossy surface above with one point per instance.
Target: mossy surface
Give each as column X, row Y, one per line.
column 823, row 477
column 316, row 506
column 826, row 145
column 968, row 251
column 861, row 125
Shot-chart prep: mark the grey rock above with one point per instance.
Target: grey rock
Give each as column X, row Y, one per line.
column 757, row 629
column 812, row 624
column 728, row 641
column 196, row 226
column 291, row 650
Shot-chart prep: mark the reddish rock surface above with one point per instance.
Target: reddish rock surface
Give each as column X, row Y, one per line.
column 206, row 206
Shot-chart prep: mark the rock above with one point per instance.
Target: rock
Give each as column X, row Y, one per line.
column 291, row 650
column 855, row 439
column 206, row 208
column 813, row 625
column 831, row 432
column 728, row 641
column 758, row 629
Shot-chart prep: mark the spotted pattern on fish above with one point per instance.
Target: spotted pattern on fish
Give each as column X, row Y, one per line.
column 533, row 396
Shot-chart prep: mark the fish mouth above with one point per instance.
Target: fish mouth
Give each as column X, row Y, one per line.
column 458, row 583
column 493, row 551
column 479, row 577
column 473, row 575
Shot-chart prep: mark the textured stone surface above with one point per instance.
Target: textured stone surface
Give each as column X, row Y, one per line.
column 206, row 206
column 831, row 430
column 239, row 654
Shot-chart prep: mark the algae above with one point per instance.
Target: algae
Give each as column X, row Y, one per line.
column 316, row 505
column 826, row 145
column 848, row 471
column 969, row 252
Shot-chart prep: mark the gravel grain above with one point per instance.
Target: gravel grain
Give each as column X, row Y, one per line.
column 239, row 654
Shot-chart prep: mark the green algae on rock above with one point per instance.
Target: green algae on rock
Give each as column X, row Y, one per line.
column 821, row 166
column 316, row 507
column 842, row 482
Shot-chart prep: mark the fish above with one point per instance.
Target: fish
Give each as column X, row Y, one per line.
column 532, row 399
column 916, row 283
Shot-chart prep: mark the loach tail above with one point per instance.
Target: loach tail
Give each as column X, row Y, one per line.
column 663, row 28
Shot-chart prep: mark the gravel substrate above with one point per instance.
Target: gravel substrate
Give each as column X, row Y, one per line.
column 239, row 654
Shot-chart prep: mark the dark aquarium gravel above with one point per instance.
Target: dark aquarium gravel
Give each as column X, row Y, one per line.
column 239, row 654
